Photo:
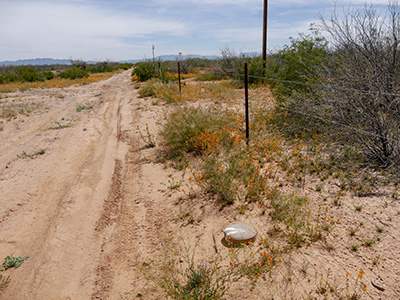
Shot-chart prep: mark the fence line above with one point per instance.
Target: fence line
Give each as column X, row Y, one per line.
column 313, row 116
column 326, row 85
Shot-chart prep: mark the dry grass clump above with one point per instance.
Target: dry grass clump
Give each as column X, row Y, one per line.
column 53, row 83
column 267, row 178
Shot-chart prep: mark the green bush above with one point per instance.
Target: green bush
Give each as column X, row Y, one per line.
column 7, row 78
column 101, row 67
column 47, row 75
column 144, row 71
column 297, row 66
column 24, row 74
column 125, row 66
column 195, row 130
column 74, row 73
column 12, row 262
column 148, row 90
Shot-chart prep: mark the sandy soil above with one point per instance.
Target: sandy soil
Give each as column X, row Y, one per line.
column 89, row 205
column 78, row 210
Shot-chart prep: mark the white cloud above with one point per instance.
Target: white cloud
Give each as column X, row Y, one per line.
column 125, row 29
column 72, row 27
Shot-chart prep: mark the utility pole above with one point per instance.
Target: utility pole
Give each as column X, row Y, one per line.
column 265, row 21
column 154, row 62
column 246, row 92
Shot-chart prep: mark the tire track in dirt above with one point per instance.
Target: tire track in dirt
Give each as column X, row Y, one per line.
column 134, row 221
column 57, row 226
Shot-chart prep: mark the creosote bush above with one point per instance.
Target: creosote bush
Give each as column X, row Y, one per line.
column 196, row 130
column 74, row 73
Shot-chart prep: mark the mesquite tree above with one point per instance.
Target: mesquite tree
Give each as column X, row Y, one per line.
column 362, row 81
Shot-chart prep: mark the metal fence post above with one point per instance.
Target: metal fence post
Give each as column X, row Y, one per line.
column 246, row 91
column 179, row 78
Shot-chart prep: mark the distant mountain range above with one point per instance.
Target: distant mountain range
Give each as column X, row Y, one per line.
column 51, row 61
column 35, row 62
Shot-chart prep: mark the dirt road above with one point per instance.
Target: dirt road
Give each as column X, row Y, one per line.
column 69, row 181
column 97, row 213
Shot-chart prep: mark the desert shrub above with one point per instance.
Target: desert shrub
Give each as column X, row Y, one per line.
column 8, row 77
column 47, row 75
column 196, row 130
column 198, row 282
column 101, row 67
column 74, row 73
column 255, row 69
column 232, row 174
column 363, row 79
column 125, row 66
column 297, row 66
column 208, row 76
column 168, row 92
column 12, row 262
column 24, row 74
column 28, row 74
column 148, row 89
column 144, row 71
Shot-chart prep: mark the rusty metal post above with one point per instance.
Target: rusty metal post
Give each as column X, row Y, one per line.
column 179, row 78
column 246, row 93
column 265, row 22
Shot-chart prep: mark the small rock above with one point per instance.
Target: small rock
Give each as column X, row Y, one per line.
column 238, row 233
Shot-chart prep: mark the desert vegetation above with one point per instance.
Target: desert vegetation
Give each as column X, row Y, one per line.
column 25, row 77
column 323, row 138
column 317, row 178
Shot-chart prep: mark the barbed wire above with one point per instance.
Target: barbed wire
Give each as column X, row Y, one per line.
column 314, row 85
column 346, row 205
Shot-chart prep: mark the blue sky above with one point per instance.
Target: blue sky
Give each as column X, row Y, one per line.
column 126, row 29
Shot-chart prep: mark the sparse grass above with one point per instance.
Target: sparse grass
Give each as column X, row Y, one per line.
column 12, row 110
column 53, row 83
column 58, row 126
column 81, row 107
column 368, row 243
column 148, row 88
column 269, row 172
column 196, row 130
column 182, row 277
column 354, row 248
column 147, row 138
column 4, row 281
column 25, row 155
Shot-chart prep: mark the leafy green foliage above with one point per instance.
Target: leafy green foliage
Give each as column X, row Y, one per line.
column 144, row 71
column 12, row 262
column 197, row 282
column 191, row 130
column 24, row 74
column 297, row 65
column 4, row 281
column 148, row 89
column 83, row 107
column 74, row 73
column 125, row 66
